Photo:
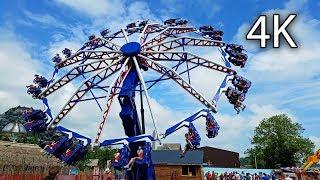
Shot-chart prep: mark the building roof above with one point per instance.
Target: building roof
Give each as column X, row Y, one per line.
column 20, row 154
column 172, row 157
column 14, row 127
column 208, row 147
column 169, row 146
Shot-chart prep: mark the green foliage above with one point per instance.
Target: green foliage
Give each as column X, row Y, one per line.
column 245, row 162
column 103, row 154
column 277, row 141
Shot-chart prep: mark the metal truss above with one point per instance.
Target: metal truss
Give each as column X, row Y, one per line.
column 83, row 56
column 149, row 29
column 113, row 91
column 84, row 88
column 168, row 32
column 183, row 41
column 78, row 71
column 100, row 42
column 179, row 80
column 187, row 57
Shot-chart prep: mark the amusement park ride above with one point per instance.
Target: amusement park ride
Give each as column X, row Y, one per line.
column 311, row 160
column 102, row 58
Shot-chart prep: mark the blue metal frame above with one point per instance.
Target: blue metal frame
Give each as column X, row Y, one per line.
column 186, row 122
column 223, row 87
column 72, row 134
column 127, row 140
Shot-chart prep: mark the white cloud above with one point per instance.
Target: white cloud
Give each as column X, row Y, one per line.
column 96, row 8
column 285, row 62
column 295, row 5
column 315, row 140
column 285, row 76
column 18, row 69
column 44, row 19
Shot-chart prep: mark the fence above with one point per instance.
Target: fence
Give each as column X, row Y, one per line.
column 58, row 177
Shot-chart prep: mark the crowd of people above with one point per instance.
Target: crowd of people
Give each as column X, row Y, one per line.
column 245, row 176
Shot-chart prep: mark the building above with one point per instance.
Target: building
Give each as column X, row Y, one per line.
column 169, row 165
column 12, row 130
column 14, row 127
column 220, row 158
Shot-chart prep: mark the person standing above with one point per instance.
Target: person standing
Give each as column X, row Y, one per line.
column 248, row 177
column 265, row 177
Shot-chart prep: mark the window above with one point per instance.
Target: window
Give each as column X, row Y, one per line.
column 189, row 170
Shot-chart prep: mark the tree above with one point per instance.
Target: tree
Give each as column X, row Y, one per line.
column 245, row 162
column 277, row 141
column 103, row 154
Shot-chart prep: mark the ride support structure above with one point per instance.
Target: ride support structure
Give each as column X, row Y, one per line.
column 160, row 48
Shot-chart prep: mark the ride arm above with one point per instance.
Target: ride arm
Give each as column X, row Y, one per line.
column 168, row 32
column 147, row 30
column 224, row 85
column 72, row 134
column 183, row 41
column 179, row 80
column 76, row 72
column 101, row 42
column 82, row 56
column 112, row 92
column 222, row 88
column 127, row 140
column 185, row 122
column 83, row 89
column 188, row 57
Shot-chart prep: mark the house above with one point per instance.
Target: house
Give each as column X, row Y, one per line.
column 220, row 158
column 169, row 165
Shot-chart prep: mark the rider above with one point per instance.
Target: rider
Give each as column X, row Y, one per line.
column 117, row 156
column 33, row 90
column 68, row 152
column 56, row 59
column 140, row 156
column 210, row 126
column 51, row 145
column 40, row 80
column 189, row 137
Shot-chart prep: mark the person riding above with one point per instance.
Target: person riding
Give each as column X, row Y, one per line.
column 210, row 127
column 117, row 156
column 190, row 136
column 56, row 59
column 67, row 52
column 40, row 80
column 140, row 156
column 33, row 90
column 51, row 145
column 68, row 152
